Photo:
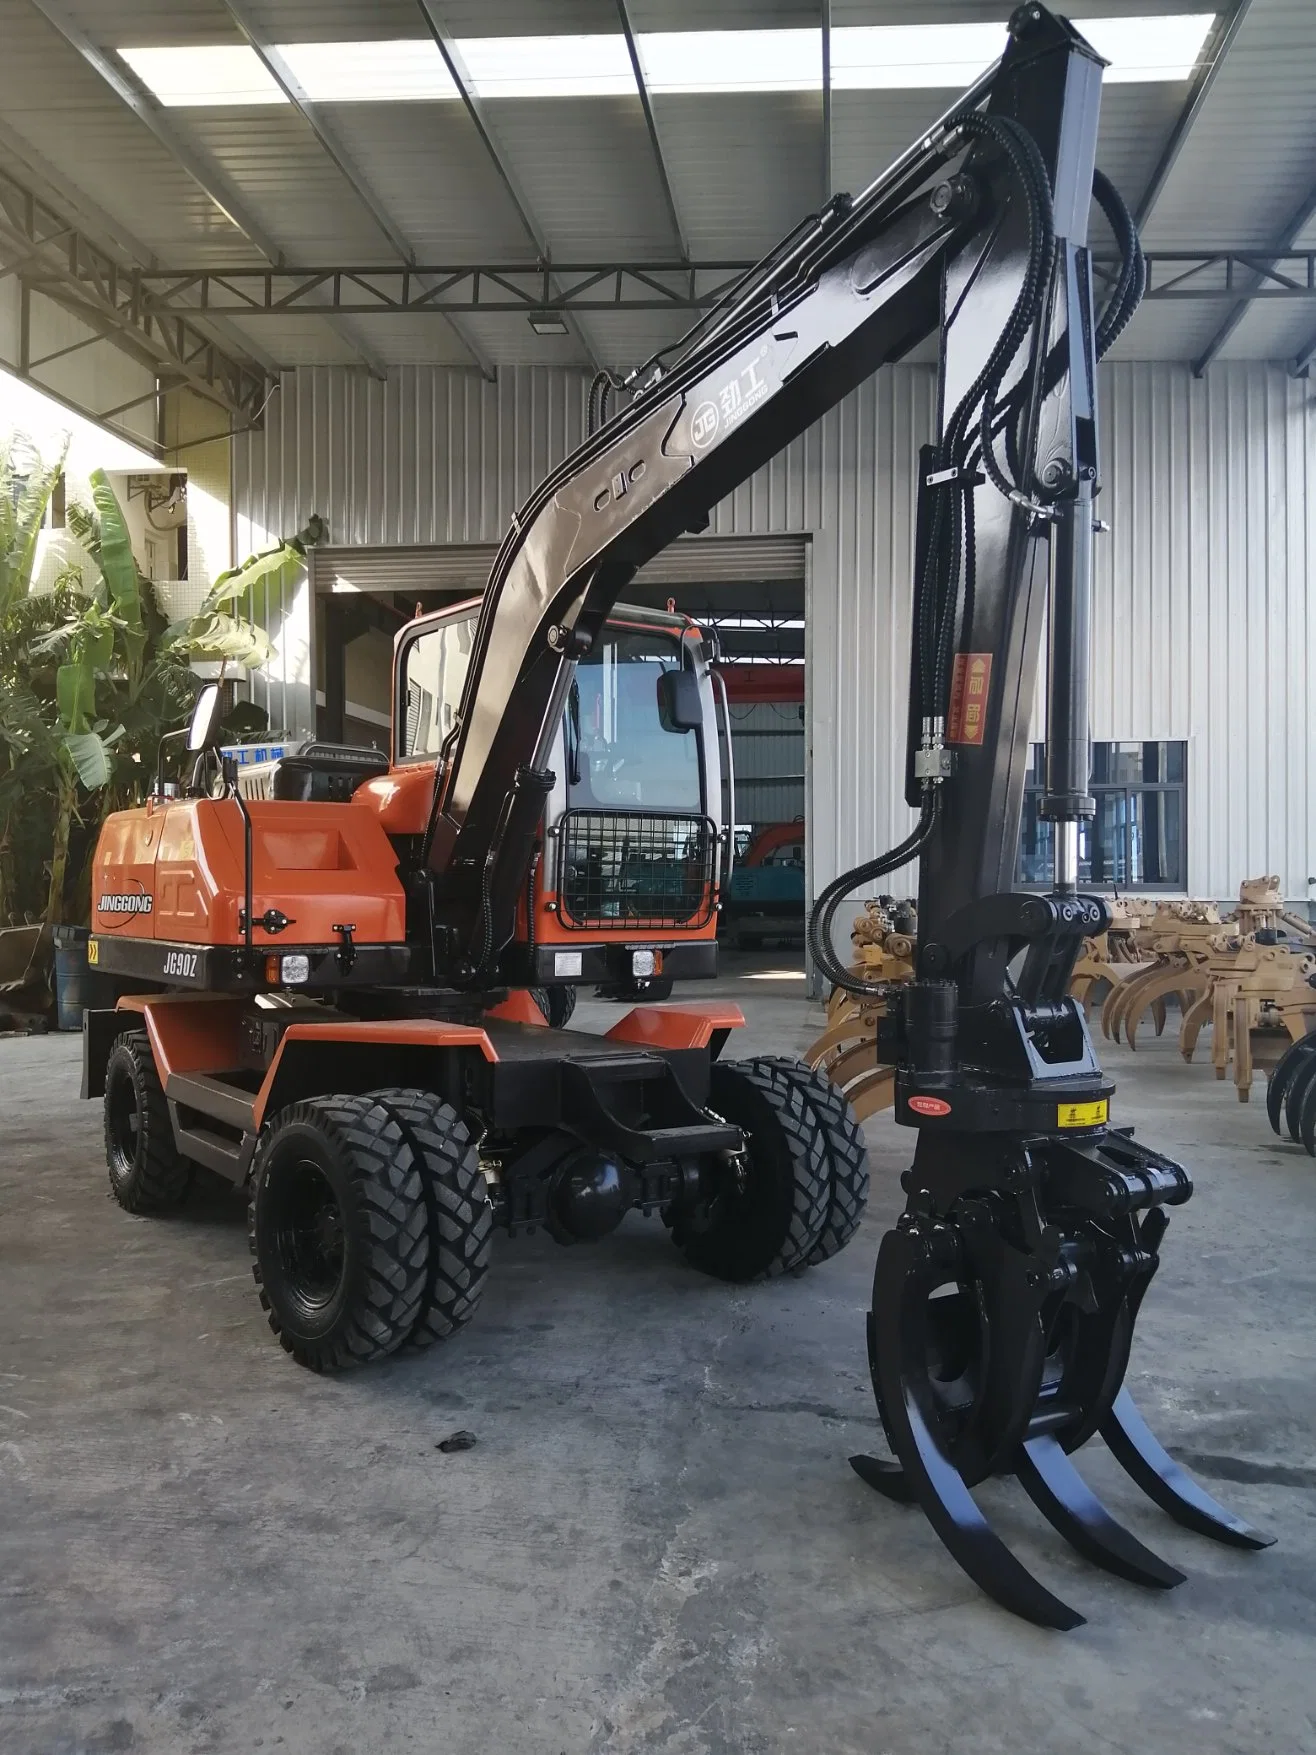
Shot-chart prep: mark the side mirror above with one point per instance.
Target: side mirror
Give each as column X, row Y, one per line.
column 679, row 705
column 203, row 729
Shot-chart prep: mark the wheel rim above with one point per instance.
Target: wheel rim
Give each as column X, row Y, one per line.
column 123, row 1119
column 306, row 1231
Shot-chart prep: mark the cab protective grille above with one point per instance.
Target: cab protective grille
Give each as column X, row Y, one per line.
column 624, row 868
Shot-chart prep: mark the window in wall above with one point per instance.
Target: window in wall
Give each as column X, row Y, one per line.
column 1137, row 839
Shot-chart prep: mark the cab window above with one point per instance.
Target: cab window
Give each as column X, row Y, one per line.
column 434, row 670
column 620, row 756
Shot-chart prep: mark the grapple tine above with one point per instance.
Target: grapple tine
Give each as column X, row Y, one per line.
column 1067, row 1502
column 886, row 1478
column 1174, row 1490
column 951, row 1510
column 1296, row 1093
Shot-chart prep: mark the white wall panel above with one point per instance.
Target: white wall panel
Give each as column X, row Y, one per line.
column 1202, row 585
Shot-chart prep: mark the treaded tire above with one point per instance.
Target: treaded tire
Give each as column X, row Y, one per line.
column 557, row 1002
column 457, row 1203
column 846, row 1151
column 776, row 1222
column 339, row 1228
column 147, row 1172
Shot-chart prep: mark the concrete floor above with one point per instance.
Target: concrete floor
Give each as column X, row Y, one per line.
column 656, row 1544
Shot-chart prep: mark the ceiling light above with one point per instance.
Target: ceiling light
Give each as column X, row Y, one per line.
column 548, row 323
column 510, row 67
column 732, row 60
column 204, row 75
column 410, row 71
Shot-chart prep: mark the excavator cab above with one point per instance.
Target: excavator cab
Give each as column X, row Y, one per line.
column 632, row 852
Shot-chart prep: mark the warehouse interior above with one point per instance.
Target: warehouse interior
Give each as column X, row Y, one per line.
column 314, row 321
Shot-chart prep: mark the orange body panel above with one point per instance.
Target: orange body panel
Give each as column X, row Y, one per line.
column 676, row 1026
column 401, row 798
column 190, row 1032
column 408, row 1032
column 518, row 1008
column 174, row 871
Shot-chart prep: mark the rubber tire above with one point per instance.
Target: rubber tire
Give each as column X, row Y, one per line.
column 777, row 1224
column 457, row 1202
column 363, row 1155
column 557, row 1002
column 159, row 1178
column 848, row 1173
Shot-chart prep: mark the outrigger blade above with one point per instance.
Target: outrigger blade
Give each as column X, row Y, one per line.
column 1067, row 1502
column 1131, row 1442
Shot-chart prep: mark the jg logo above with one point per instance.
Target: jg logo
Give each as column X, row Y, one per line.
column 703, row 425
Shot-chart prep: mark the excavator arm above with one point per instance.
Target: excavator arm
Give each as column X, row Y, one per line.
column 961, row 235
column 1005, row 1296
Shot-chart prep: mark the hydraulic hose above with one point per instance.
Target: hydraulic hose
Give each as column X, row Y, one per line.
column 937, row 593
column 1132, row 282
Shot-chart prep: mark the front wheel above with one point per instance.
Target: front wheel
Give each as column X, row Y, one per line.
column 339, row 1228
column 147, row 1172
column 766, row 1214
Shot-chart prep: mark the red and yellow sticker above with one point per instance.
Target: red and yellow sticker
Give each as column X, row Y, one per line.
column 1082, row 1114
column 969, row 683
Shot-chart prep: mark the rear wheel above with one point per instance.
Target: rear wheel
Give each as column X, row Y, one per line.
column 557, row 1002
column 847, row 1155
column 147, row 1172
column 457, row 1202
column 339, row 1229
column 768, row 1217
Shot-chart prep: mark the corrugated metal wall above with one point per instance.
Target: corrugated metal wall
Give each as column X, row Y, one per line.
column 1201, row 627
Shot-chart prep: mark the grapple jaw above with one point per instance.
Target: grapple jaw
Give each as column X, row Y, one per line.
column 1004, row 1304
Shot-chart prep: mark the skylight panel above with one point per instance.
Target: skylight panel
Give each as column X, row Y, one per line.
column 732, row 60
column 1143, row 49
column 410, row 71
column 204, row 75
column 522, row 67
column 891, row 57
column 888, row 57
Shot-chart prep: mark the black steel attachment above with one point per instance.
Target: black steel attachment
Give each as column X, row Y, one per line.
column 1291, row 1093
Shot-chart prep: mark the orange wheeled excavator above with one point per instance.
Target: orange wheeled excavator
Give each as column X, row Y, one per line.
column 342, row 1017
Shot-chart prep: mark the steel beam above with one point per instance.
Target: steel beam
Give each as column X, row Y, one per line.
column 207, row 176
column 1227, row 25
column 826, row 99
column 655, row 144
column 446, row 44
column 1266, row 263
column 521, row 288
column 109, row 235
column 50, row 255
column 314, row 117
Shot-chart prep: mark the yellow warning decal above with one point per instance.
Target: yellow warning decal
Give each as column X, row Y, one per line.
column 1082, row 1114
column 93, row 951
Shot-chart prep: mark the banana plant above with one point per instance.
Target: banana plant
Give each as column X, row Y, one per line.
column 26, row 484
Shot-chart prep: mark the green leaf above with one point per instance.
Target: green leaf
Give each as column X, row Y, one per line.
column 255, row 572
column 26, row 484
column 116, row 551
column 75, row 696
column 89, row 753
